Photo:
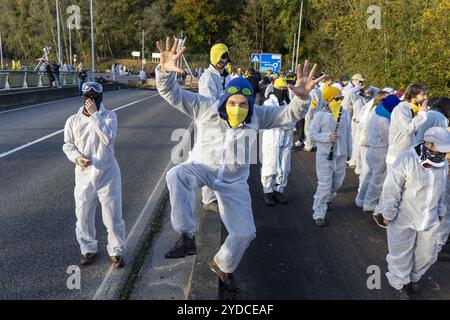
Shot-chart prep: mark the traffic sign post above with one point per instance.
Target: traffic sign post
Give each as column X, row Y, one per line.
column 271, row 61
column 256, row 58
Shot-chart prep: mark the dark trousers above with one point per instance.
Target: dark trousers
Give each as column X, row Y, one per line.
column 51, row 79
column 299, row 134
column 81, row 86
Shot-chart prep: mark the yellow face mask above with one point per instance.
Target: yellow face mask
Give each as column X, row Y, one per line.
column 335, row 107
column 229, row 68
column 236, row 115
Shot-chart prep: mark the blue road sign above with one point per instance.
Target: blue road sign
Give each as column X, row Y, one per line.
column 271, row 61
column 256, row 58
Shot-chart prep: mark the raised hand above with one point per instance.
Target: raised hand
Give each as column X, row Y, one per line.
column 305, row 82
column 424, row 106
column 169, row 56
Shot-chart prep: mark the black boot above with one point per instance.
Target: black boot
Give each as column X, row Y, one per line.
column 268, row 199
column 87, row 259
column 412, row 287
column 320, row 223
column 402, row 294
column 279, row 197
column 226, row 279
column 184, row 246
column 117, row 262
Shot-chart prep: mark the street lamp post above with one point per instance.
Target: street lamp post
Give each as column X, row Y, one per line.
column 70, row 47
column 294, row 52
column 143, row 48
column 299, row 33
column 92, row 36
column 59, row 34
column 1, row 50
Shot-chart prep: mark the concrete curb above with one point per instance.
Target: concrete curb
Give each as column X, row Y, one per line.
column 204, row 283
column 116, row 280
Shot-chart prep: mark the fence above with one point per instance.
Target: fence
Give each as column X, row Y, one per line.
column 30, row 79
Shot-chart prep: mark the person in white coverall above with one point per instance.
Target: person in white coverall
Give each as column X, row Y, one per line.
column 356, row 81
column 344, row 81
column 359, row 98
column 316, row 102
column 437, row 117
column 269, row 89
column 406, row 120
column 377, row 141
column 365, row 114
column 276, row 150
column 142, row 76
column 227, row 130
column 212, row 85
column 89, row 138
column 330, row 173
column 414, row 203
column 443, row 232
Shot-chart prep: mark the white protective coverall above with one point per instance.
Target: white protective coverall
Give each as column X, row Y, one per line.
column 365, row 114
column 378, row 142
column 142, row 75
column 276, row 154
column 402, row 131
column 114, row 72
column 211, row 85
column 93, row 138
column 346, row 103
column 220, row 161
column 434, row 119
column 268, row 91
column 330, row 174
column 316, row 98
column 444, row 226
column 413, row 200
column 357, row 103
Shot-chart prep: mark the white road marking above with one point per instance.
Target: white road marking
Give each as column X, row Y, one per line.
column 36, row 105
column 29, row 144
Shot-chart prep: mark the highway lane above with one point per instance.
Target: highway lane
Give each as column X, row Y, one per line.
column 24, row 125
column 37, row 220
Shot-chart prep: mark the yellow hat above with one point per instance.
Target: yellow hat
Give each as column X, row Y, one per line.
column 280, row 83
column 217, row 51
column 329, row 93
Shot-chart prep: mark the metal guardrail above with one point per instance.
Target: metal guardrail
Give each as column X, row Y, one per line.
column 33, row 79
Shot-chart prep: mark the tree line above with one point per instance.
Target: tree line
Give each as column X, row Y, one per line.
column 410, row 45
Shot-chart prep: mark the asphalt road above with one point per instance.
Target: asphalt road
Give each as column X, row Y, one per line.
column 37, row 219
column 291, row 258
